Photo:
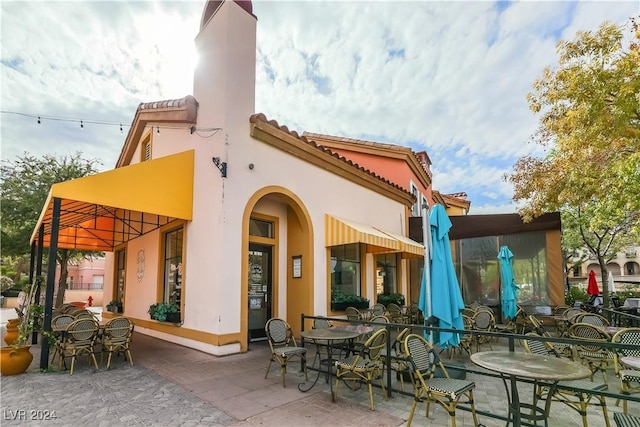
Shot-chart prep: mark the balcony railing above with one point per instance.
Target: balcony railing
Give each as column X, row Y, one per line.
column 84, row 286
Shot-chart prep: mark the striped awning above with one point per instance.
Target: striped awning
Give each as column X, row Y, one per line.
column 340, row 231
column 409, row 248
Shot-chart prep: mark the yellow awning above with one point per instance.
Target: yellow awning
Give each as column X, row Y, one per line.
column 92, row 206
column 409, row 248
column 340, row 231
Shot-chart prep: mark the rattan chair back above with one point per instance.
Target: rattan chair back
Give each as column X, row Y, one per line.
column 353, row 313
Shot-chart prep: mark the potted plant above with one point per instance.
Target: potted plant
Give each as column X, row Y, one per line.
column 340, row 301
column 115, row 306
column 165, row 312
column 16, row 358
column 386, row 299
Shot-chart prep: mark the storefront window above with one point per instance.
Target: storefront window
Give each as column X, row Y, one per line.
column 173, row 266
column 345, row 269
column 260, row 228
column 121, row 257
column 478, row 268
column 386, row 274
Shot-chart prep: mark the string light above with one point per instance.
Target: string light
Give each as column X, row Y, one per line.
column 209, row 132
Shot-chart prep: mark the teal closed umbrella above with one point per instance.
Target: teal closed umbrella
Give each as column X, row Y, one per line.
column 509, row 287
column 446, row 298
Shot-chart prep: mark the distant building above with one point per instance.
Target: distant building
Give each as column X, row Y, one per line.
column 625, row 267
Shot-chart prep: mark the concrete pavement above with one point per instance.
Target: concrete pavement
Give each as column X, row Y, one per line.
column 171, row 385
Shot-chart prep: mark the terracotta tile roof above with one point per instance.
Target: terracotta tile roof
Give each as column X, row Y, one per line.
column 356, row 141
column 421, row 157
column 261, row 117
column 460, row 195
column 168, row 104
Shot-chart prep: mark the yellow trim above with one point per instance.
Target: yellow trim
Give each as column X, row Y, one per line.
column 188, row 333
column 162, row 186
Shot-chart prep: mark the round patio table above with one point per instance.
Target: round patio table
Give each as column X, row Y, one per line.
column 326, row 337
column 511, row 365
column 631, row 362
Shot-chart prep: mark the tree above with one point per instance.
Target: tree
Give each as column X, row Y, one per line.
column 589, row 108
column 25, row 184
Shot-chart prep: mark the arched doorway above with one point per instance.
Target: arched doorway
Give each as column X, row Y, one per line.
column 277, row 244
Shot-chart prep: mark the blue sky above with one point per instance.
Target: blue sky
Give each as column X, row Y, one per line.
column 448, row 77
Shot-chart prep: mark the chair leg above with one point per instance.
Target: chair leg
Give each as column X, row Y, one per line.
column 603, row 403
column 283, row 371
column 73, row 362
column 371, row 396
column 268, row 368
column 413, row 409
column 95, row 362
column 473, row 408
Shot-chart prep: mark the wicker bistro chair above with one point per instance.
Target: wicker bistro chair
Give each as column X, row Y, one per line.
column 576, row 394
column 399, row 362
column 564, row 350
column 625, row 420
column 446, row 391
column 592, row 319
column 283, row 347
column 597, row 357
column 79, row 338
column 395, row 314
column 483, row 321
column 466, row 340
column 321, row 323
column 116, row 337
column 414, row 314
column 59, row 326
column 629, row 378
column 377, row 310
column 364, row 366
column 353, row 313
column 84, row 314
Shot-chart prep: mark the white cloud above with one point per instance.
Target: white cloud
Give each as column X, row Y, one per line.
column 447, row 77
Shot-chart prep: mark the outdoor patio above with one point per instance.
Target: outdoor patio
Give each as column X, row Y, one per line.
column 171, row 384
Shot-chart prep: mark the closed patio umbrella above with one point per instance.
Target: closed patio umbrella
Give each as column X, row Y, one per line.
column 592, row 288
column 446, row 298
column 508, row 283
column 611, row 283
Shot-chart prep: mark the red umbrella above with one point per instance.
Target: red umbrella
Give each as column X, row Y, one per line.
column 592, row 288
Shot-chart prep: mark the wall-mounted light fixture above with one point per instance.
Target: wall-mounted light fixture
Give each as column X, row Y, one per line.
column 220, row 165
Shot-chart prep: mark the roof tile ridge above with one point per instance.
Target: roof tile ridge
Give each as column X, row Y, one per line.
column 261, row 117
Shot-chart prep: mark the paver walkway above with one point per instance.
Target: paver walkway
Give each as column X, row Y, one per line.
column 171, row 385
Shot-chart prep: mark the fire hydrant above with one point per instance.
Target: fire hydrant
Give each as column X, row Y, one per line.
column 90, row 299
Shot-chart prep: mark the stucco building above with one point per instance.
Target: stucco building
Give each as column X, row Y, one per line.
column 234, row 217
